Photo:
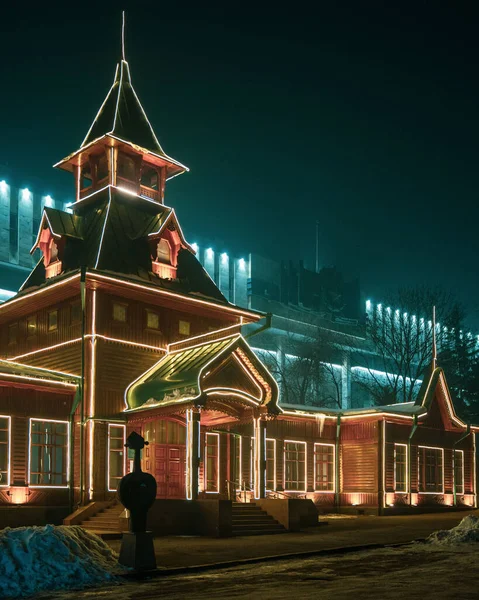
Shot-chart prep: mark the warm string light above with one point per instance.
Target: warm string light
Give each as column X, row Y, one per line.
column 76, row 340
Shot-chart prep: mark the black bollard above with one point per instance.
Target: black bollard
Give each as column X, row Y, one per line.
column 137, row 492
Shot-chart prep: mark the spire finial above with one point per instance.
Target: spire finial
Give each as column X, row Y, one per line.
column 434, row 346
column 122, row 35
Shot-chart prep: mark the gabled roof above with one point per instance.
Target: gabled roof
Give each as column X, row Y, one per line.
column 433, row 381
column 60, row 224
column 188, row 373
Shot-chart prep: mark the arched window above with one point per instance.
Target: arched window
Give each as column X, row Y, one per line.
column 53, row 252
column 163, row 251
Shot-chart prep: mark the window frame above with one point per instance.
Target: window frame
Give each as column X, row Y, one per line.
column 32, row 318
column 110, row 450
column 305, row 465
column 120, row 304
column 275, row 482
column 179, row 327
column 238, row 460
column 217, row 435
column 406, row 475
column 149, row 312
column 333, row 465
column 49, row 327
column 419, row 481
column 458, row 490
column 67, row 454
column 9, row 450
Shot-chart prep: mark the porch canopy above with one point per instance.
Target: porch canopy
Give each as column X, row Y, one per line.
column 205, row 370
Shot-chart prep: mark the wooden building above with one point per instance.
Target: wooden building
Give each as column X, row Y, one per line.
column 120, row 328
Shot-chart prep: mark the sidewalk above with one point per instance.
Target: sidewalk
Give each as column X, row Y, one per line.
column 186, row 551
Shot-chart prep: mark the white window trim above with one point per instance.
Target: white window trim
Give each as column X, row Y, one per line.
column 274, row 461
column 333, row 446
column 305, row 465
column 407, row 470
column 218, row 462
column 460, row 492
column 51, row 487
column 9, row 450
column 110, row 425
column 431, row 448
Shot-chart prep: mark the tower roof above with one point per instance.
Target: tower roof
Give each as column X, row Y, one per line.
column 121, row 115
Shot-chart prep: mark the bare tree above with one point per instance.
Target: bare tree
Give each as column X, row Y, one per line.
column 303, row 367
column 401, row 333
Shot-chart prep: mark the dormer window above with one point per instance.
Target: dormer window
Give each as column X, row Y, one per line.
column 49, row 248
column 163, row 251
column 164, row 264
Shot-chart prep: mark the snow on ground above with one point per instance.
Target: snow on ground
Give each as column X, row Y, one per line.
column 36, row 559
column 467, row 531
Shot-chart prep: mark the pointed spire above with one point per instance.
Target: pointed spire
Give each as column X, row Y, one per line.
column 434, row 345
column 123, row 35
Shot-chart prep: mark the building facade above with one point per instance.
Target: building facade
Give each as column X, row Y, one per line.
column 119, row 327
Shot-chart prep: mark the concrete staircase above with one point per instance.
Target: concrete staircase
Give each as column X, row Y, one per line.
column 249, row 519
column 106, row 522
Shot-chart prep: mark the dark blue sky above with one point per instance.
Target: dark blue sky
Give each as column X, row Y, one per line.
column 362, row 118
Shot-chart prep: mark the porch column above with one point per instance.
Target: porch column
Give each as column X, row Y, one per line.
column 192, row 452
column 259, row 458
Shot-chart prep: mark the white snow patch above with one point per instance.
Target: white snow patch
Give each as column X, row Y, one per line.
column 467, row 531
column 36, row 559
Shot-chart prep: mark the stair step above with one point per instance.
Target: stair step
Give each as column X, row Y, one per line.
column 260, row 527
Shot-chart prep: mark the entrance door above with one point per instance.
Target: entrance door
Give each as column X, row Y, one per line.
column 169, row 470
column 165, row 457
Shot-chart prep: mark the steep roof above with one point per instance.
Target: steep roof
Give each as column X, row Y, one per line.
column 122, row 116
column 113, row 236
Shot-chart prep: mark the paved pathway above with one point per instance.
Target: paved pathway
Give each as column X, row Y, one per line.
column 188, row 551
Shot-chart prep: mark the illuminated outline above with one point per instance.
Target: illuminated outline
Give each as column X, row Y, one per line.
column 63, row 487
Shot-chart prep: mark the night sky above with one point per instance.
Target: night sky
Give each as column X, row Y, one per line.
column 365, row 119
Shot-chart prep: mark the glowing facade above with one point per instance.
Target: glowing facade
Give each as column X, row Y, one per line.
column 120, row 327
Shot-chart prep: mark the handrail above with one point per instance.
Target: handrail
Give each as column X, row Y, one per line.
column 230, row 483
column 276, row 493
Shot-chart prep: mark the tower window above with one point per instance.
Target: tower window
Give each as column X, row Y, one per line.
column 102, row 168
column 86, row 177
column 126, row 167
column 163, row 251
column 149, row 177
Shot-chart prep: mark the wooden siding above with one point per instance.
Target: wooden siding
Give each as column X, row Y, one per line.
column 359, row 467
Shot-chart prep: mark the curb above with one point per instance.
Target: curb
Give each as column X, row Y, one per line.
column 168, row 572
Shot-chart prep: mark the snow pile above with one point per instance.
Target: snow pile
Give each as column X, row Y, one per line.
column 35, row 559
column 466, row 531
